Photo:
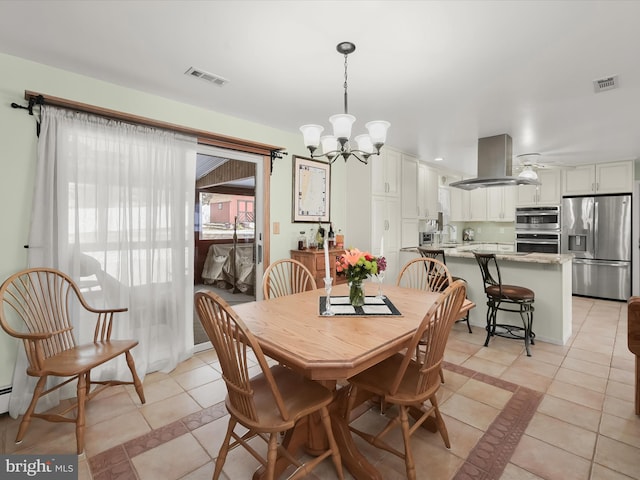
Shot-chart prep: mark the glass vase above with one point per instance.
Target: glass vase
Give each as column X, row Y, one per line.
column 356, row 293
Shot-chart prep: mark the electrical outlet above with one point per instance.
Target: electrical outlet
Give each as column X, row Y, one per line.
column 501, row 230
column 479, row 230
column 276, row 228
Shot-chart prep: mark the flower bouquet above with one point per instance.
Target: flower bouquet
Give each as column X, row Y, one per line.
column 357, row 266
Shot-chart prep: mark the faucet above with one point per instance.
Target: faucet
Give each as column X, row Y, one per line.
column 451, row 231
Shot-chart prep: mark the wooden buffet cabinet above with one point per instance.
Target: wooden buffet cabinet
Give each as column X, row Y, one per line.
column 313, row 259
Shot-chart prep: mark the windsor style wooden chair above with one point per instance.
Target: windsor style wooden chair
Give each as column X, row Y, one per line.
column 267, row 404
column 439, row 254
column 408, row 382
column 286, row 277
column 41, row 299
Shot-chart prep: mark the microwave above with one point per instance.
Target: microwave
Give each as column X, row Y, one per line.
column 538, row 218
column 425, row 238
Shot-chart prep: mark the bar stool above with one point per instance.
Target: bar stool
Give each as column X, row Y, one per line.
column 498, row 295
column 438, row 254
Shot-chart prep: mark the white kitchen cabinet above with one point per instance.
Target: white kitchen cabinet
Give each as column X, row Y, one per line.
column 409, row 190
column 547, row 193
column 385, row 173
column 378, row 193
column 579, row 180
column 459, row 204
column 477, row 204
column 614, row 177
column 372, row 217
column 468, row 205
column 427, row 192
column 501, row 204
column 385, row 223
column 409, row 235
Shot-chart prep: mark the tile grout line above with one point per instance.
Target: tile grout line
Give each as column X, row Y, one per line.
column 115, row 461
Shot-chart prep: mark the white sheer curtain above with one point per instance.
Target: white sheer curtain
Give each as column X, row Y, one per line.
column 113, row 207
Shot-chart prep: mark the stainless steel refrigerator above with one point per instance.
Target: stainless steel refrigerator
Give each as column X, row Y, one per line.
column 597, row 231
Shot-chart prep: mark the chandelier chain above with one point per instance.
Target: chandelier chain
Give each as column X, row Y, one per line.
column 346, row 107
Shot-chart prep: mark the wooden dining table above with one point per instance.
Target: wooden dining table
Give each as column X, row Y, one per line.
column 329, row 349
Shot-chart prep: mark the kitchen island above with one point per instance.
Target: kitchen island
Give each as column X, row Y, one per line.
column 548, row 275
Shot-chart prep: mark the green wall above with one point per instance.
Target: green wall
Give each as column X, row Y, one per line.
column 18, row 154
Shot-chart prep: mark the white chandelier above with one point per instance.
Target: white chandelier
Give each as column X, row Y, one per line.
column 338, row 144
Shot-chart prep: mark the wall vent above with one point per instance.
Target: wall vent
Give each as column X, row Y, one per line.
column 206, row 76
column 608, row 83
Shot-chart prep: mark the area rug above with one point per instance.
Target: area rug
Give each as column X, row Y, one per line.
column 487, row 460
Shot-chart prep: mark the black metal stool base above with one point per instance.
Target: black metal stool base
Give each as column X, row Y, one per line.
column 466, row 319
column 507, row 330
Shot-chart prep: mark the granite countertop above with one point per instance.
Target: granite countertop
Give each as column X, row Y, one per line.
column 503, row 251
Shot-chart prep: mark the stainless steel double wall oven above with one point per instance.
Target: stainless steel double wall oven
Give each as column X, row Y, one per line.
column 538, row 229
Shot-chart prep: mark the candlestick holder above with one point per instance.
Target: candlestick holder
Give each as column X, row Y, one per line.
column 380, row 278
column 327, row 304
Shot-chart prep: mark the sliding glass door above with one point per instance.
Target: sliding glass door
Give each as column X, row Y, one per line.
column 229, row 219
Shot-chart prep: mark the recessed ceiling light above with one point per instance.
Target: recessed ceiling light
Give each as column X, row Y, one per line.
column 438, row 159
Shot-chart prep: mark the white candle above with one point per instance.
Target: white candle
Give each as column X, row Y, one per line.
column 382, row 246
column 326, row 259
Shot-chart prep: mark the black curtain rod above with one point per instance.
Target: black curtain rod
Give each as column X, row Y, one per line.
column 39, row 100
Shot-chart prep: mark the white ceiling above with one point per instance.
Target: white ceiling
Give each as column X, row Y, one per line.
column 444, row 73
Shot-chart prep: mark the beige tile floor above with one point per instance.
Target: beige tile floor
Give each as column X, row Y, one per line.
column 584, row 426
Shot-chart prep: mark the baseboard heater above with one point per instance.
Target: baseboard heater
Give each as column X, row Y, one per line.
column 5, row 393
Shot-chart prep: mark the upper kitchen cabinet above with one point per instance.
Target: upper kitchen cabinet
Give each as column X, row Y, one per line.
column 501, row 204
column 459, row 204
column 547, row 193
column 468, row 205
column 410, row 191
column 385, row 173
column 419, row 189
column 615, row 177
column 427, row 192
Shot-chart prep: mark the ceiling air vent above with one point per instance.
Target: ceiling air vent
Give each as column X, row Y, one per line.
column 603, row 84
column 206, row 76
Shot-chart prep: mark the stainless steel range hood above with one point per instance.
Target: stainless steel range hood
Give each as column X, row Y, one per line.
column 494, row 165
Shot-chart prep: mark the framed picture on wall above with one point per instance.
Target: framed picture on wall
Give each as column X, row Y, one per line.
column 311, row 190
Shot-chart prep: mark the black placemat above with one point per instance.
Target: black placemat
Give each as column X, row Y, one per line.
column 373, row 306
